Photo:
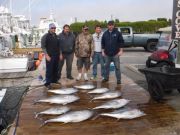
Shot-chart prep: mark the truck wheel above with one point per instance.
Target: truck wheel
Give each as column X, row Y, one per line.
column 155, row 90
column 162, row 64
column 168, row 91
column 148, row 65
column 145, row 48
column 151, row 46
column 178, row 90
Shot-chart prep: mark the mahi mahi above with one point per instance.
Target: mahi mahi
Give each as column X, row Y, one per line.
column 99, row 91
column 113, row 104
column 126, row 113
column 63, row 91
column 53, row 111
column 108, row 95
column 60, row 99
column 72, row 117
column 85, row 87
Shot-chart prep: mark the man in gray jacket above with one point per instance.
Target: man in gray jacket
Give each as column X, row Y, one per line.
column 67, row 43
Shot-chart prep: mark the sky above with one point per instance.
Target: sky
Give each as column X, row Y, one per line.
column 65, row 11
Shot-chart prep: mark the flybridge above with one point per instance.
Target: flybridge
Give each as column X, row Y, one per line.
column 176, row 20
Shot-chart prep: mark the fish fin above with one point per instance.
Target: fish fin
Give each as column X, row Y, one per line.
column 35, row 102
column 91, row 100
column 95, row 117
column 43, row 124
column 39, row 118
column 36, row 115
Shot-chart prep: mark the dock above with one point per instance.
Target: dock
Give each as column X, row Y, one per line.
column 161, row 118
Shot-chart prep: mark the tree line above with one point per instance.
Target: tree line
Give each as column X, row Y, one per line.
column 150, row 26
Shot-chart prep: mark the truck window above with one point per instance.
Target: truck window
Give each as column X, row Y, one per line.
column 125, row 31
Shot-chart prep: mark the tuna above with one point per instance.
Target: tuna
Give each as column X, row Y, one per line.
column 64, row 91
column 85, row 87
column 98, row 91
column 113, row 104
column 71, row 117
column 125, row 114
column 53, row 111
column 60, row 99
column 108, row 95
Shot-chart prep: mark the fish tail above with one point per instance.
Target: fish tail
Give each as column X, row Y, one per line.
column 43, row 124
column 95, row 117
column 35, row 102
column 91, row 100
column 36, row 115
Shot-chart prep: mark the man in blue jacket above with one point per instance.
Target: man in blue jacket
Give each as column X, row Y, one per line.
column 112, row 41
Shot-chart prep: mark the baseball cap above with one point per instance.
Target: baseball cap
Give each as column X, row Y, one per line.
column 52, row 25
column 111, row 23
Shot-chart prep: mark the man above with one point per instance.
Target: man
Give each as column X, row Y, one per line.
column 83, row 52
column 112, row 42
column 97, row 55
column 50, row 46
column 67, row 44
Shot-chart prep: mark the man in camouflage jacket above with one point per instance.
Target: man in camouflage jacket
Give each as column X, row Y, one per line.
column 83, row 51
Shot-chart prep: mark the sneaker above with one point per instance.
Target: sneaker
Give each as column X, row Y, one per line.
column 118, row 82
column 93, row 78
column 105, row 80
column 85, row 77
column 40, row 78
column 78, row 77
column 48, row 86
column 57, row 82
column 70, row 77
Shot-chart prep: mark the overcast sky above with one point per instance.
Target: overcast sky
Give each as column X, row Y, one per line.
column 66, row 10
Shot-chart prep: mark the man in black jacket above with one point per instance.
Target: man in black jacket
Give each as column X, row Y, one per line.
column 67, row 44
column 51, row 48
column 112, row 42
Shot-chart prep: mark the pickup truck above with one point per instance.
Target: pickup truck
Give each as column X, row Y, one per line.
column 147, row 41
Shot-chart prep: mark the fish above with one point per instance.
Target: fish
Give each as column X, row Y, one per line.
column 126, row 113
column 108, row 95
column 99, row 91
column 65, row 91
column 53, row 111
column 60, row 99
column 71, row 117
column 113, row 104
column 85, row 87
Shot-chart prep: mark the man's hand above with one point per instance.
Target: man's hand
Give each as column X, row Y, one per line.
column 61, row 57
column 103, row 54
column 48, row 58
column 92, row 54
column 120, row 52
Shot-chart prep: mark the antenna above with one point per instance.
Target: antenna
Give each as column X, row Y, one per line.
column 29, row 10
column 10, row 6
column 111, row 17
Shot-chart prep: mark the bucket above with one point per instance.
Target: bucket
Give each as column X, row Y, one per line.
column 112, row 68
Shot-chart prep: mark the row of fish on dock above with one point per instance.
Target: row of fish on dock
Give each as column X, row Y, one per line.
column 66, row 96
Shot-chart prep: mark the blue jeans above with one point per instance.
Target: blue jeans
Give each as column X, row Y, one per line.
column 116, row 60
column 98, row 58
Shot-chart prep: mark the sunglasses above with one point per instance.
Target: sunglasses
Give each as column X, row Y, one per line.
column 53, row 28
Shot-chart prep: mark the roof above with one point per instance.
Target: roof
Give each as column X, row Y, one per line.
column 166, row 29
